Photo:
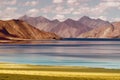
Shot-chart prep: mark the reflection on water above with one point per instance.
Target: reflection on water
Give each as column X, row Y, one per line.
column 104, row 54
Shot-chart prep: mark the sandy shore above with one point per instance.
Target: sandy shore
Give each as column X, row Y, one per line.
column 34, row 72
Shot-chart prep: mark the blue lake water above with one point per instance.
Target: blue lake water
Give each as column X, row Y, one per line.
column 103, row 54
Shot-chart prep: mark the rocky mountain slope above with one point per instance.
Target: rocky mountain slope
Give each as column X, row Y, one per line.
column 20, row 30
column 112, row 31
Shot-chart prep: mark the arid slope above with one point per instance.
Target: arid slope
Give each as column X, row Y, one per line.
column 20, row 30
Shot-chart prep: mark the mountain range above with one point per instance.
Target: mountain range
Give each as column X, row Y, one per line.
column 85, row 27
column 37, row 28
column 20, row 30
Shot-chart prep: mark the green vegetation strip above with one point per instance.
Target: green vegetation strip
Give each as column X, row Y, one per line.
column 34, row 72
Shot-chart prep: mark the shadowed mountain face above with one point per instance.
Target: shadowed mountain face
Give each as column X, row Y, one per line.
column 20, row 30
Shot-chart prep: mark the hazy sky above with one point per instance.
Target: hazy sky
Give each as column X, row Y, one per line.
column 61, row 9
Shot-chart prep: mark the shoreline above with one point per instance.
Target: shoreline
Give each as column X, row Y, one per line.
column 12, row 71
column 59, row 65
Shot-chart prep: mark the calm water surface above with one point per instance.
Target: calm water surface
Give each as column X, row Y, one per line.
column 104, row 54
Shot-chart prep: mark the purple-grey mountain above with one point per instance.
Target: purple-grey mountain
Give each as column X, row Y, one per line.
column 93, row 23
column 67, row 29
column 85, row 27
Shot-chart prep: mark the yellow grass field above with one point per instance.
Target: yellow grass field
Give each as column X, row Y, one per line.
column 34, row 72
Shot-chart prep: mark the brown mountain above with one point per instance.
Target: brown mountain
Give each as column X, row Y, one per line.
column 112, row 31
column 20, row 30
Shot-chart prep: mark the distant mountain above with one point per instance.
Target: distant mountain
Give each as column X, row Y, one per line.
column 101, row 32
column 70, row 28
column 112, row 31
column 20, row 30
column 116, row 31
column 40, row 22
column 67, row 29
column 93, row 23
column 34, row 20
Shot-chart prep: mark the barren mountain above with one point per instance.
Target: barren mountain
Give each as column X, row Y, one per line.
column 84, row 27
column 20, row 30
column 40, row 22
column 112, row 31
column 116, row 31
column 93, row 23
column 70, row 28
column 67, row 29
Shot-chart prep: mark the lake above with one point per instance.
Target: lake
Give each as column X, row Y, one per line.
column 102, row 54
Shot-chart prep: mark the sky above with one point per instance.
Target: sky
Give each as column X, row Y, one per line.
column 61, row 9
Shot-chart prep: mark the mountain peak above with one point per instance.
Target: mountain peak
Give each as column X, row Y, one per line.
column 69, row 20
column 41, row 18
column 55, row 20
column 93, row 23
column 24, row 16
column 88, row 18
column 34, row 19
column 84, row 17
